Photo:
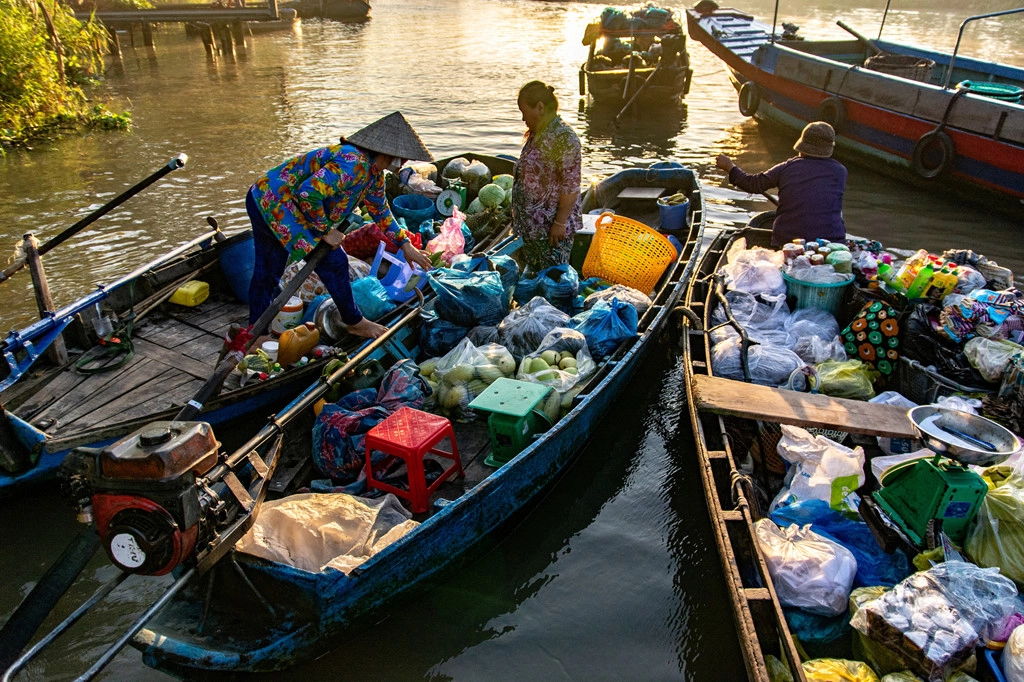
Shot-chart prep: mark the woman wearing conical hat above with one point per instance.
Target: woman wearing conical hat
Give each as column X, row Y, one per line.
column 307, row 198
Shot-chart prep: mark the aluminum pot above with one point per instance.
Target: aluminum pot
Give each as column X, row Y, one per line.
column 962, row 436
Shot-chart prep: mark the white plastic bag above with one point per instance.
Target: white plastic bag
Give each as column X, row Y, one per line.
column 824, row 470
column 1013, row 656
column 769, row 366
column 896, row 446
column 990, row 356
column 808, row 571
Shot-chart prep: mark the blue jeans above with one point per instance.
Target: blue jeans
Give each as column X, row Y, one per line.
column 271, row 260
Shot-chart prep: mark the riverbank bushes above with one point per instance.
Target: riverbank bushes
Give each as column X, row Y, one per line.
column 48, row 59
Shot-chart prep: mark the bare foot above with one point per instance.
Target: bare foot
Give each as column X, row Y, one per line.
column 366, row 329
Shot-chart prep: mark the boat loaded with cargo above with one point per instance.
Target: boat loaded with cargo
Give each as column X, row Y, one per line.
column 356, row 494
column 939, row 120
column 857, row 414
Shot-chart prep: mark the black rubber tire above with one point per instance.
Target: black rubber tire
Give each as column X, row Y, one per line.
column 764, row 219
column 750, row 98
column 936, row 141
column 833, row 112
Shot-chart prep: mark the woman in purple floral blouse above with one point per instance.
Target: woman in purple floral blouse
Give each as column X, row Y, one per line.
column 546, row 192
column 306, row 198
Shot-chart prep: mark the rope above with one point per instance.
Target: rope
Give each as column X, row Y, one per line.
column 18, row 257
column 112, row 352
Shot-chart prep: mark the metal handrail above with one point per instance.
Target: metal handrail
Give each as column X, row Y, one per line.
column 960, row 35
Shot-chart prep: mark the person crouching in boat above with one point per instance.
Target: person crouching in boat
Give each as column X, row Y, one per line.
column 306, row 199
column 546, row 191
column 811, row 186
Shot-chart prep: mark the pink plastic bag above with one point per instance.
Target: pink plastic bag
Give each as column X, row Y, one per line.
column 450, row 242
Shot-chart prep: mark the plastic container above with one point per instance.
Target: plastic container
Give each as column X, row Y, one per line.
column 295, row 343
column 236, row 262
column 271, row 348
column 673, row 216
column 415, row 208
column 826, row 296
column 191, row 293
column 289, row 317
column 626, row 251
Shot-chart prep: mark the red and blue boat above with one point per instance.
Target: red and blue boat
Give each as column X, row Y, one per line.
column 934, row 119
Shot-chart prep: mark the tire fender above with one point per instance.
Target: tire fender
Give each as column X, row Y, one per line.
column 750, row 98
column 934, row 143
column 831, row 111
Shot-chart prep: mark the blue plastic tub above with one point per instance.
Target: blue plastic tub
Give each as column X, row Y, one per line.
column 236, row 261
column 673, row 216
column 415, row 208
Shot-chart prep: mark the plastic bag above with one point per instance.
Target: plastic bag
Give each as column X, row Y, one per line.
column 555, row 343
column 558, row 284
column 468, row 298
column 812, row 322
column 362, row 242
column 817, row 634
column 524, row 328
column 847, row 379
column 874, row 566
column 815, row 350
column 464, row 373
column 777, row 670
column 896, row 446
column 605, row 326
column 310, row 288
column 764, row 311
column 449, row 242
column 991, row 356
column 455, row 168
column 438, row 336
column 754, row 270
column 634, row 297
column 769, row 366
column 475, row 176
column 482, row 334
column 371, row 298
column 997, row 536
column 1013, row 656
column 824, row 470
column 505, row 266
column 808, row 571
column 837, row 670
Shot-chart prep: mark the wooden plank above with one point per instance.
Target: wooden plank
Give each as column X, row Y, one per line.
column 82, row 403
column 641, row 193
column 750, row 401
column 173, row 358
column 204, row 349
column 156, row 395
column 48, row 394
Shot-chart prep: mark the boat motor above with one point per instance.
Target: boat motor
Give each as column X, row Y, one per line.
column 145, row 494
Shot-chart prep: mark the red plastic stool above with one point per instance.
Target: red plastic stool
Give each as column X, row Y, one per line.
column 412, row 434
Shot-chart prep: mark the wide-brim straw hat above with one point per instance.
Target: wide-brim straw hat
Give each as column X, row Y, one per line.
column 817, row 139
column 392, row 135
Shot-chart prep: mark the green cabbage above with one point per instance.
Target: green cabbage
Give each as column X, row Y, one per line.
column 475, row 207
column 503, row 181
column 491, row 195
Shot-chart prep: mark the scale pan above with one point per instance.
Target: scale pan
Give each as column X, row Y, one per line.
column 962, row 436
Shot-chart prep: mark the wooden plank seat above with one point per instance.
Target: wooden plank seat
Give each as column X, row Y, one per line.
column 649, row 193
column 750, row 401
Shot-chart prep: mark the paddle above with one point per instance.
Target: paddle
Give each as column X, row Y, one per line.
column 637, row 93
column 174, row 164
column 867, row 42
column 213, row 385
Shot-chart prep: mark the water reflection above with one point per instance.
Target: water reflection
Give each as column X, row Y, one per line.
column 641, row 133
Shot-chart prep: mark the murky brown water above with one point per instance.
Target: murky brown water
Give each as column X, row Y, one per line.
column 614, row 575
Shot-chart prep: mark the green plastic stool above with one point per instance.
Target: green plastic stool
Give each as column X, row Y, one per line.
column 513, row 420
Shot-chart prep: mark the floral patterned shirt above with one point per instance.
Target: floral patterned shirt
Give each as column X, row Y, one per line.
column 548, row 167
column 309, row 195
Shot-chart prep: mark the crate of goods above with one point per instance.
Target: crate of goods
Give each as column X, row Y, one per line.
column 924, row 385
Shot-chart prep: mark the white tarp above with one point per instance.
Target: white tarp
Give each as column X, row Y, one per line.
column 318, row 531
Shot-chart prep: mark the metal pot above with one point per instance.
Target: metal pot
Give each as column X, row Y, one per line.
column 962, row 436
column 328, row 320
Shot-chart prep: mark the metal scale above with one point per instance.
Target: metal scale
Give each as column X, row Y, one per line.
column 923, row 498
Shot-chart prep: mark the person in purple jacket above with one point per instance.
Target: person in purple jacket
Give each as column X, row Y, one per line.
column 811, row 186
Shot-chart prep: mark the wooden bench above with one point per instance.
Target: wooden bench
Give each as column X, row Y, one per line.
column 646, row 193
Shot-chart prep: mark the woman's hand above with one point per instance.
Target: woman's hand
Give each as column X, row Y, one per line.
column 556, row 233
column 334, row 238
column 414, row 255
column 724, row 163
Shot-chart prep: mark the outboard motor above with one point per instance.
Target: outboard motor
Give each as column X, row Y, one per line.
column 143, row 495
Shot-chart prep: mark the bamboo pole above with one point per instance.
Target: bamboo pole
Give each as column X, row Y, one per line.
column 57, row 352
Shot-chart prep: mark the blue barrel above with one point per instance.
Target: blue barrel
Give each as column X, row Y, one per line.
column 236, row 262
column 673, row 216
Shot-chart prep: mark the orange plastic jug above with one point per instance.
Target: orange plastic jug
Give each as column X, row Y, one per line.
column 297, row 342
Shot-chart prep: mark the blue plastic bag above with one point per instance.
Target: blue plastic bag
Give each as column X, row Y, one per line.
column 503, row 265
column 606, row 325
column 558, row 284
column 470, row 239
column 874, row 566
column 372, row 298
column 438, row 336
column 468, row 299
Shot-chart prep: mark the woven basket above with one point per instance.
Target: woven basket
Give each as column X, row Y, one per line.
column 902, row 65
column 628, row 252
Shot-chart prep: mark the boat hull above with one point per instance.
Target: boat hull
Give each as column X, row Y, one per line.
column 889, row 123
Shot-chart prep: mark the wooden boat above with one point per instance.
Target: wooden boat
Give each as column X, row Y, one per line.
column 288, row 21
column 338, row 10
column 308, row 612
column 735, row 426
column 652, row 80
column 49, row 409
column 933, row 119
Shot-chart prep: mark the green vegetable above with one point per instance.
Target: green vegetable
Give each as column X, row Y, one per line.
column 491, row 195
column 475, row 207
column 503, row 181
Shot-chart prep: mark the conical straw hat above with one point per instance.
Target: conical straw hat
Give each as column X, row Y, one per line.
column 392, row 135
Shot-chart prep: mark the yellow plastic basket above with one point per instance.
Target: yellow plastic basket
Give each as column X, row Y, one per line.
column 628, row 252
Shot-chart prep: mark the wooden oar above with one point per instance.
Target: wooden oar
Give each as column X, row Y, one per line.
column 177, row 162
column 638, row 91
column 213, row 385
column 867, row 42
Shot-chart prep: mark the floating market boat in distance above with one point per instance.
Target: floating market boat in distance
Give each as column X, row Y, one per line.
column 264, row 614
column 731, row 335
column 157, row 348
column 934, row 119
column 641, row 56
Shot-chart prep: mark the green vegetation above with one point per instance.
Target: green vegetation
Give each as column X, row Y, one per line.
column 47, row 60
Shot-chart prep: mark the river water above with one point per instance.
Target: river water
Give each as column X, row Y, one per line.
column 614, row 575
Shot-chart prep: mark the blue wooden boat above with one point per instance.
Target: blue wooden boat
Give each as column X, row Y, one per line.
column 300, row 614
column 936, row 120
column 50, row 408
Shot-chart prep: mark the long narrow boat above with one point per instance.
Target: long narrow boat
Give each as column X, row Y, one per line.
column 49, row 409
column 934, row 119
column 305, row 612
